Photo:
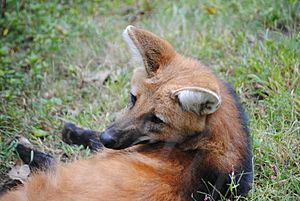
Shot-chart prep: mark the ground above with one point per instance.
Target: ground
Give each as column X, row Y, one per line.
column 65, row 61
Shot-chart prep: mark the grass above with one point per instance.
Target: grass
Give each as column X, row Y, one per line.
column 50, row 49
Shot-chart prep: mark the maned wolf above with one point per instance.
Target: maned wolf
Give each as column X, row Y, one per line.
column 183, row 136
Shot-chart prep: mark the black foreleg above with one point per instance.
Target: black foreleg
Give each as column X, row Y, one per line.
column 72, row 134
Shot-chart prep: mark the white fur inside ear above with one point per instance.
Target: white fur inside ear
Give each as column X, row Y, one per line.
column 198, row 101
column 136, row 55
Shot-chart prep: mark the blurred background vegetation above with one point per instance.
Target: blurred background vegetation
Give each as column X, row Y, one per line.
column 64, row 60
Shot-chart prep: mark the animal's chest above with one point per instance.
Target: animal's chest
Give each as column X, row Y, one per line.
column 170, row 170
column 154, row 173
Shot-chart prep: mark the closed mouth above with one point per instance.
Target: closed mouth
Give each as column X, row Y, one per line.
column 141, row 140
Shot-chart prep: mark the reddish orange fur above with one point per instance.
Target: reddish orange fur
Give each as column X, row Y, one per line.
column 155, row 172
column 149, row 176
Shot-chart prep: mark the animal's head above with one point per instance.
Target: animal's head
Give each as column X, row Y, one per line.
column 170, row 96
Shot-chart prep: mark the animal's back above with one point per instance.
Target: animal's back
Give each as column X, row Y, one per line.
column 125, row 175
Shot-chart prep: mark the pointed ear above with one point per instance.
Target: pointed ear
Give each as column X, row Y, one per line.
column 148, row 48
column 198, row 100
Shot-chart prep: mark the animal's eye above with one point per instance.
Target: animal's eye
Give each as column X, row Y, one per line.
column 155, row 119
column 132, row 99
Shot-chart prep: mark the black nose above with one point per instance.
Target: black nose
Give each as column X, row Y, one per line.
column 107, row 140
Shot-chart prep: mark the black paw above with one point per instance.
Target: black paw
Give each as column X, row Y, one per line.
column 72, row 134
column 35, row 159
